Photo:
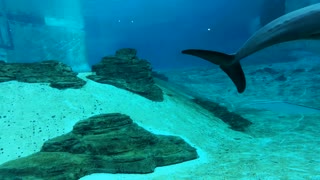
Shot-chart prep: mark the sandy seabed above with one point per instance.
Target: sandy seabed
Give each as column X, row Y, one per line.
column 33, row 113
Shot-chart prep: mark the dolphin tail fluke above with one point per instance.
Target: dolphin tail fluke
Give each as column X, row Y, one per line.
column 236, row 74
column 226, row 63
column 214, row 57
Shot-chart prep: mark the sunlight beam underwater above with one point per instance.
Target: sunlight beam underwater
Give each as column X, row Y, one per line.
column 302, row 24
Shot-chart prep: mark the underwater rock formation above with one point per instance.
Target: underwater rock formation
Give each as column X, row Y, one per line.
column 59, row 75
column 235, row 121
column 160, row 76
column 125, row 70
column 106, row 143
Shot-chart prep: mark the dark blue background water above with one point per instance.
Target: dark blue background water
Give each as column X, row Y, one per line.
column 159, row 30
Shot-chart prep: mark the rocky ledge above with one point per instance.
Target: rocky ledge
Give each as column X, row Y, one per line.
column 125, row 70
column 107, row 143
column 235, row 121
column 59, row 75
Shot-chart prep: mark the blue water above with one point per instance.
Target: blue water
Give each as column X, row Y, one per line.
column 288, row 115
column 159, row 30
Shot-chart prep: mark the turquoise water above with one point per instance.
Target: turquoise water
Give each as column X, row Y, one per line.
column 281, row 99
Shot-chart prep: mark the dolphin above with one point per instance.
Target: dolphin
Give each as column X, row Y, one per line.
column 302, row 24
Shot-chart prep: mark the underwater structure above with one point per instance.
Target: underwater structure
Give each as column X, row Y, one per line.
column 126, row 148
column 126, row 118
column 105, row 142
column 42, row 30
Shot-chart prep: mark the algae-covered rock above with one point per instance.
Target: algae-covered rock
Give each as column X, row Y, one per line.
column 235, row 121
column 59, row 75
column 107, row 143
column 125, row 70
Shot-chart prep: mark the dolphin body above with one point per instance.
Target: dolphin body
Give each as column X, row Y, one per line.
column 301, row 24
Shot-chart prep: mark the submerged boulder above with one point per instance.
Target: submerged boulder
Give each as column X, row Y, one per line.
column 106, row 143
column 59, row 75
column 125, row 70
column 235, row 121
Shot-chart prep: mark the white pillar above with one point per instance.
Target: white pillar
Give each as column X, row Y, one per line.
column 67, row 14
column 62, row 37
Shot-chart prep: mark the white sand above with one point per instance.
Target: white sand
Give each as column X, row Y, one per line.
column 35, row 113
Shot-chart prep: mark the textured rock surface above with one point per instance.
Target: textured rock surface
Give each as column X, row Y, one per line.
column 107, row 143
column 126, row 71
column 235, row 121
column 56, row 73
